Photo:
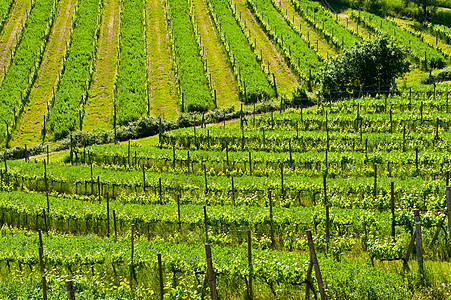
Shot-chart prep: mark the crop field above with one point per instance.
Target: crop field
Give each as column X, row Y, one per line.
column 165, row 149
column 353, row 172
column 164, row 59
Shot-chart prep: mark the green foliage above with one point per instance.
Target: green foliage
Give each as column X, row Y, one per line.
column 297, row 51
column 367, row 63
column 72, row 90
column 25, row 63
column 131, row 73
column 189, row 68
column 325, row 22
column 422, row 53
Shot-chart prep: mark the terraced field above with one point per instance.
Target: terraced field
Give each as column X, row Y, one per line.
column 232, row 191
column 350, row 171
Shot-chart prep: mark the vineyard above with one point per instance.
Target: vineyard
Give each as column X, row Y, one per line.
column 184, row 149
column 64, row 71
column 349, row 175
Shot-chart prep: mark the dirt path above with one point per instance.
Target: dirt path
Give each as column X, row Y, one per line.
column 12, row 28
column 221, row 73
column 32, row 121
column 99, row 106
column 163, row 96
column 285, row 78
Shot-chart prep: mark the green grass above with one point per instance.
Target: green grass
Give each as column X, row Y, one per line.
column 32, row 122
column 99, row 105
column 221, row 72
column 162, row 85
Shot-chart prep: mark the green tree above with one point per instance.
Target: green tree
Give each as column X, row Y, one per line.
column 366, row 64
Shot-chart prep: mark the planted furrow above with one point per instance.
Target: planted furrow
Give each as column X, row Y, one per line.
column 162, row 85
column 422, row 53
column 99, row 105
column 253, row 82
column 23, row 70
column 193, row 84
column 75, row 79
column 131, row 98
column 285, row 78
column 296, row 51
column 11, row 33
column 31, row 124
column 325, row 23
column 5, row 9
column 307, row 31
column 217, row 65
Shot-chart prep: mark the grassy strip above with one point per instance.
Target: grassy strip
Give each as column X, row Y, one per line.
column 323, row 21
column 193, row 82
column 285, row 78
column 131, row 80
column 307, row 32
column 422, row 53
column 77, row 73
column 27, row 59
column 294, row 48
column 252, row 80
column 31, row 125
column 12, row 31
column 5, row 9
column 222, row 78
column 162, row 87
column 99, row 106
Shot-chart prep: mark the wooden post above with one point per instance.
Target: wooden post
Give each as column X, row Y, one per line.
column 314, row 260
column 41, row 252
column 250, row 291
column 44, row 288
column 178, row 213
column 375, row 181
column 281, row 182
column 392, row 206
column 160, row 190
column 70, row 290
column 144, row 179
column 173, row 155
column 271, row 221
column 98, row 189
column 46, row 187
column 206, row 224
column 409, row 249
column 188, row 161
column 448, row 205
column 114, row 222
column 419, row 244
column 108, row 214
column 325, row 188
column 210, row 272
column 160, row 273
column 206, row 182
